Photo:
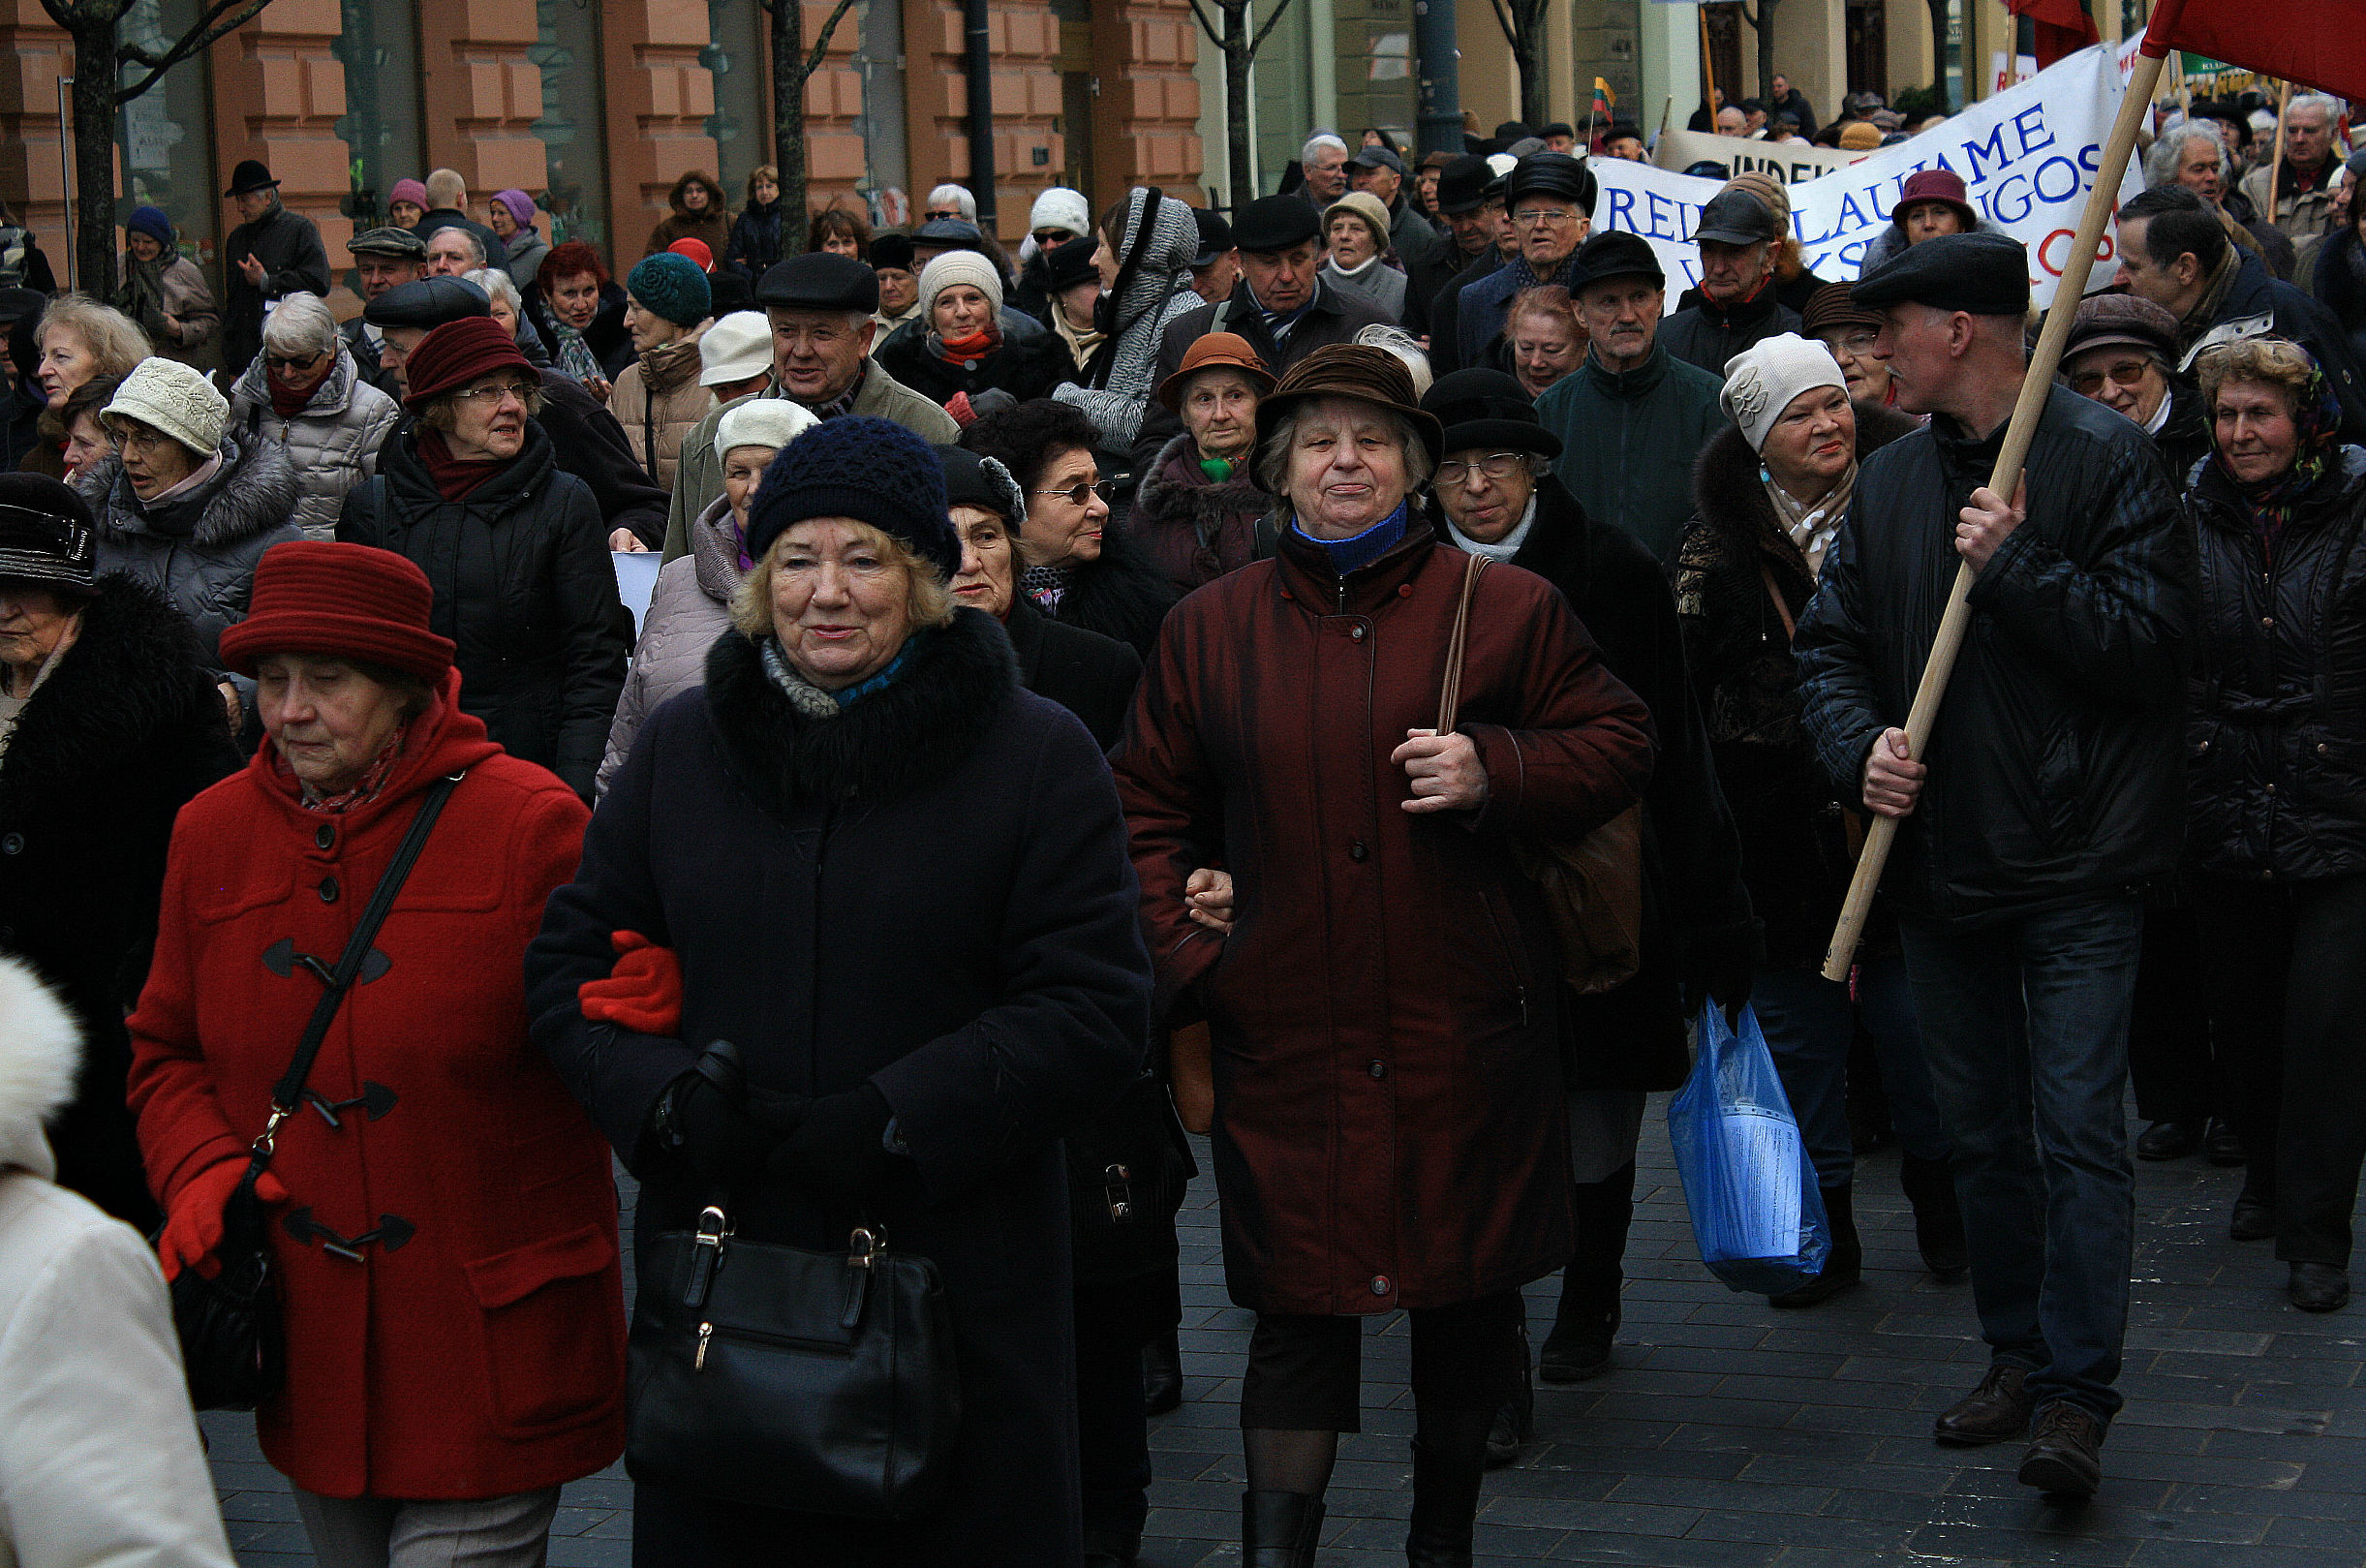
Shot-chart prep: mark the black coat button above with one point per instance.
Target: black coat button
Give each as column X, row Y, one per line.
column 1380, row 1069
column 12, row 844
column 325, row 837
column 329, row 890
column 1357, row 852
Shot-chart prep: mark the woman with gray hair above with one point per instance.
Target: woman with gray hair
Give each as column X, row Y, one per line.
column 510, row 309
column 305, row 392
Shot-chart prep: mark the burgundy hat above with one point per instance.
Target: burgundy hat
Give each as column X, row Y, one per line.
column 340, row 601
column 1936, row 185
column 456, row 353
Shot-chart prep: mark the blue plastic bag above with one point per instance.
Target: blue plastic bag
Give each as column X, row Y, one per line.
column 1756, row 1210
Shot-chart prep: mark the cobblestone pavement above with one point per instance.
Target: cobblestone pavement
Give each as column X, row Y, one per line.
column 1729, row 1434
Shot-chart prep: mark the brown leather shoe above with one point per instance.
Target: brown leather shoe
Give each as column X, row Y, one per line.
column 2066, row 1455
column 1991, row 1413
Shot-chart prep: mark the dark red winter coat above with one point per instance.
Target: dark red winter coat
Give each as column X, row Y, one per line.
column 482, row 1353
column 1390, row 1127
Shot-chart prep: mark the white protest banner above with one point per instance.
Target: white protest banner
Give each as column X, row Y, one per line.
column 1791, row 162
column 2027, row 158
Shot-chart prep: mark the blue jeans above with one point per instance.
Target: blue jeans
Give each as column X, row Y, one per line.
column 2025, row 1028
column 1810, row 1022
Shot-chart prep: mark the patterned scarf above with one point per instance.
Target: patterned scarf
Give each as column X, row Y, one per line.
column 2317, row 416
column 815, row 702
column 844, row 402
column 364, row 788
column 1811, row 526
column 575, row 356
column 1046, row 586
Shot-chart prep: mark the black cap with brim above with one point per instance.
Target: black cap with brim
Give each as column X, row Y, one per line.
column 45, row 532
column 820, row 280
column 1982, row 274
column 1276, row 222
column 427, row 304
column 892, row 250
column 1461, row 185
column 1617, row 253
column 251, row 174
column 1555, row 174
column 1377, row 158
column 1214, row 236
column 1738, row 218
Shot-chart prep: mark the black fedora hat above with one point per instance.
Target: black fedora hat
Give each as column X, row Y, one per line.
column 251, row 174
column 1486, row 410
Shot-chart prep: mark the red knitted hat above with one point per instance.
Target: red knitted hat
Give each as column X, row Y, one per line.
column 456, row 353
column 340, row 601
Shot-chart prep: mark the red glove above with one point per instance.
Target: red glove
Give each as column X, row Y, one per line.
column 193, row 1228
column 643, row 993
column 958, row 407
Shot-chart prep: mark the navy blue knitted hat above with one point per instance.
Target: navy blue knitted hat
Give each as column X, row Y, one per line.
column 671, row 286
column 871, row 469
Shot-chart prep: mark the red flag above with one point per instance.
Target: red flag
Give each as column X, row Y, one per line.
column 2062, row 26
column 2319, row 43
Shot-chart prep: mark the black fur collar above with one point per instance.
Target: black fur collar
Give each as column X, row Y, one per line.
column 888, row 745
column 133, row 675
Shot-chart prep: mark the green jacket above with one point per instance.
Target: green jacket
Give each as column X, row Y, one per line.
column 698, row 479
column 1629, row 441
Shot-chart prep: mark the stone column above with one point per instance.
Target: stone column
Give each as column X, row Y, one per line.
column 659, row 100
column 1145, row 51
column 30, row 159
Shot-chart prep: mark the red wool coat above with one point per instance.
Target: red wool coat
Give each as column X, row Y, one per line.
column 1390, row 1127
column 481, row 1354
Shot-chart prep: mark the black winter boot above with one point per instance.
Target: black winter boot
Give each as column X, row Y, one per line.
column 1516, row 1418
column 1587, row 1319
column 1843, row 1266
column 1279, row 1530
column 1449, row 1458
column 1938, row 1220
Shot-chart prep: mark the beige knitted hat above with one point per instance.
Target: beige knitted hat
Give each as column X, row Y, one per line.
column 954, row 268
column 175, row 399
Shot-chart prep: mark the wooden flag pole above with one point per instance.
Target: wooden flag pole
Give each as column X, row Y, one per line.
column 2275, row 165
column 2036, row 384
column 1665, row 110
column 1708, row 68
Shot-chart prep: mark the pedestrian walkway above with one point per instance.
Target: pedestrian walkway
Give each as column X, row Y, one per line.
column 1733, row 1436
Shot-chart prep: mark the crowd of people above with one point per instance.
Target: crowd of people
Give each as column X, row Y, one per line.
column 1139, row 684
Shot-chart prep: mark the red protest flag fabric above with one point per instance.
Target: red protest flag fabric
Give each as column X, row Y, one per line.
column 2063, row 27
column 2318, row 43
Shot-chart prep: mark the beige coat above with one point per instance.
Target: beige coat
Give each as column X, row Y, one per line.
column 657, row 399
column 2304, row 219
column 100, row 1461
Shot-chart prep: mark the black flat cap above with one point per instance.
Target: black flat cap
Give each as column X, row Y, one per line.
column 1064, row 266
column 820, row 280
column 429, row 302
column 1550, row 174
column 1983, row 274
column 1276, row 222
column 1214, row 236
column 399, row 243
column 1738, row 218
column 251, row 174
column 1618, row 253
column 17, row 303
column 1512, row 131
column 1488, row 411
column 892, row 250
column 1377, row 158
column 1461, row 185
column 1558, row 128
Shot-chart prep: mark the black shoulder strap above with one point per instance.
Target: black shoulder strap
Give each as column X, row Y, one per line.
column 1266, row 538
column 356, row 949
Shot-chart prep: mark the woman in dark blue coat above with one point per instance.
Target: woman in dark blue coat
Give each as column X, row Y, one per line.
column 898, row 885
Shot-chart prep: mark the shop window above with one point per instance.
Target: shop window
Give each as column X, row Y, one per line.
column 572, row 129
column 166, row 134
column 379, row 46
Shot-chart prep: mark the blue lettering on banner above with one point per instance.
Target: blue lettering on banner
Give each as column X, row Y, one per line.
column 1622, row 210
column 2021, row 125
column 2061, row 191
column 1994, row 147
column 2008, row 201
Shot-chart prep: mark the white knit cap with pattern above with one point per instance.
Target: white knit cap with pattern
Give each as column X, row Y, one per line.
column 958, row 266
column 1762, row 379
column 1060, row 208
column 761, row 422
column 175, row 399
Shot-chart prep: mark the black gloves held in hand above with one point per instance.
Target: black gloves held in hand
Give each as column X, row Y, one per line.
column 840, row 1150
column 723, row 1144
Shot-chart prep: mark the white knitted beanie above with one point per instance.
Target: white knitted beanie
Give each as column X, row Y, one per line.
column 175, row 399
column 1762, row 379
column 1060, row 208
column 958, row 266
column 761, row 422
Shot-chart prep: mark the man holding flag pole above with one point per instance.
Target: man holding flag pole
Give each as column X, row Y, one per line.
column 2053, row 788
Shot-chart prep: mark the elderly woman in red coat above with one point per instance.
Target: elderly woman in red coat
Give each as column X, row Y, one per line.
column 444, row 1226
column 1380, row 981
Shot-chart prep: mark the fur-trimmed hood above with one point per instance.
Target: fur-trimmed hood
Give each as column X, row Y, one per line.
column 41, row 1050
column 719, row 205
column 254, row 492
column 896, row 740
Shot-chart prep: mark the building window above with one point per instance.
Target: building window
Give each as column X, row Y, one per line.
column 379, row 48
column 166, row 133
column 742, row 122
column 572, row 132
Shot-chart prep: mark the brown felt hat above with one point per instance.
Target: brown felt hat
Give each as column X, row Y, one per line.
column 1351, row 370
column 1835, row 305
column 1226, row 351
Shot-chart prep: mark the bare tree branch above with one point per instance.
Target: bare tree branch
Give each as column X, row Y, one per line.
column 1208, row 27
column 821, row 44
column 217, row 21
column 1503, row 19
column 1256, row 43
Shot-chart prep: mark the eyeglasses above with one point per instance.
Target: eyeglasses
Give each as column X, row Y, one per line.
column 138, row 438
column 1082, row 493
column 1852, row 343
column 1544, row 218
column 289, row 362
column 1494, row 465
column 2127, row 373
column 494, row 394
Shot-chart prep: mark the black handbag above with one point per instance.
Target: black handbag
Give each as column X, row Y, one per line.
column 231, row 1327
column 771, row 1376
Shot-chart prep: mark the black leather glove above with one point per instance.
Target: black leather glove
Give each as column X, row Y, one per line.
column 707, row 1125
column 993, row 400
column 838, row 1150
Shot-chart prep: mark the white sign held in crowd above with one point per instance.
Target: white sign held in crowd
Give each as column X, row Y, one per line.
column 1793, row 164
column 2027, row 157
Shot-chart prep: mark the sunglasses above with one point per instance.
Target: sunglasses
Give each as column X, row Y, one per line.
column 1081, row 493
column 285, row 361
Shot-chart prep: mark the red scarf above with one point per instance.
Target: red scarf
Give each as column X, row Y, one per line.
column 361, row 792
column 969, row 350
column 286, row 402
column 456, row 477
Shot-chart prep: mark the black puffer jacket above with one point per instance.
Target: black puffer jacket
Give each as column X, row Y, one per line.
column 2053, row 768
column 200, row 550
column 1795, row 856
column 523, row 585
column 2276, row 703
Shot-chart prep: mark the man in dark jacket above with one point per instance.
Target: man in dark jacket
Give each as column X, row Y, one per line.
column 1495, row 496
column 2050, row 791
column 447, row 197
column 1550, row 197
column 1738, row 237
column 585, row 439
column 2174, row 251
column 1470, row 194
column 271, row 254
column 1282, row 307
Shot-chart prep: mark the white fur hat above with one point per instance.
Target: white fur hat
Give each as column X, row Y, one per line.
column 761, row 422
column 41, row 1050
column 959, row 266
column 735, row 348
column 1762, row 379
column 175, row 399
